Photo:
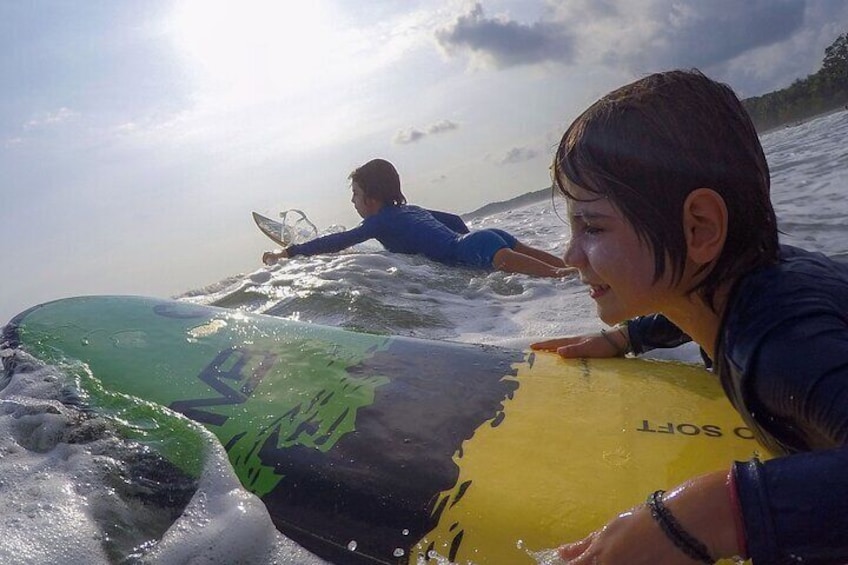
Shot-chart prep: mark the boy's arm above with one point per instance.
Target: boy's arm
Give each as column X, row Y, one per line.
column 794, row 508
column 798, row 383
column 452, row 221
column 636, row 336
column 333, row 242
column 652, row 332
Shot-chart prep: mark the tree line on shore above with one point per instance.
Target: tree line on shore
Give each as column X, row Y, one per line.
column 823, row 91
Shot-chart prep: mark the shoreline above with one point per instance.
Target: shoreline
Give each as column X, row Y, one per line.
column 795, row 123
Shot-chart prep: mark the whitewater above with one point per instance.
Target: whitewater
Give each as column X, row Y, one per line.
column 69, row 486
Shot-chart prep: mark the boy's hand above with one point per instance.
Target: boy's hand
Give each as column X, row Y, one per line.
column 598, row 345
column 565, row 272
column 271, row 257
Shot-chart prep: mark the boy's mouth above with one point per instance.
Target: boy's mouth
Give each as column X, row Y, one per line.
column 598, row 290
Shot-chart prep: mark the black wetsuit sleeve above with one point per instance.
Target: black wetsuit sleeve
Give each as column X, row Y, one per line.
column 652, row 332
column 795, row 507
column 335, row 241
column 452, row 221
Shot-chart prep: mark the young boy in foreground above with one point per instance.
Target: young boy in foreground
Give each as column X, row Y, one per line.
column 673, row 230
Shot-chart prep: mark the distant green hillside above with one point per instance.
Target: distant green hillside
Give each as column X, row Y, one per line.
column 517, row 202
column 821, row 92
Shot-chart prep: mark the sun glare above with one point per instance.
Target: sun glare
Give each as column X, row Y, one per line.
column 259, row 48
column 268, row 74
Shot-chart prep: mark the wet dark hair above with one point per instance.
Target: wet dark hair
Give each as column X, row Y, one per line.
column 379, row 180
column 648, row 145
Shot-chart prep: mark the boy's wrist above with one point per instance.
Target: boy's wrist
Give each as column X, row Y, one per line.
column 624, row 332
column 705, row 510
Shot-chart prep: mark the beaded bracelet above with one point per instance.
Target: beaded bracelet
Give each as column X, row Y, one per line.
column 682, row 539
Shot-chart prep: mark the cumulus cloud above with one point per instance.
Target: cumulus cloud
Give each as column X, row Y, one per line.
column 638, row 36
column 409, row 135
column 501, row 42
column 413, row 134
column 442, row 126
column 516, row 155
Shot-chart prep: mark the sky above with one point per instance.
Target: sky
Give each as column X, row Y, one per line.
column 136, row 136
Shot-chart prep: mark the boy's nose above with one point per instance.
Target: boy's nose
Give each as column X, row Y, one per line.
column 572, row 256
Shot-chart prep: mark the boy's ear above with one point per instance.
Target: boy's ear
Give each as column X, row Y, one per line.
column 705, row 225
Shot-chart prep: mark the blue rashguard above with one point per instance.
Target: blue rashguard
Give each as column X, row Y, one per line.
column 439, row 236
column 782, row 356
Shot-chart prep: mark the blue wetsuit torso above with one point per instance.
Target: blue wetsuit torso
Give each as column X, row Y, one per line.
column 439, row 236
column 782, row 357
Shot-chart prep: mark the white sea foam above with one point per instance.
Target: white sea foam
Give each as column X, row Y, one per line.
column 58, row 471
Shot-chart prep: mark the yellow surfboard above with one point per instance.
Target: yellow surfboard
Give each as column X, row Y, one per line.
column 381, row 449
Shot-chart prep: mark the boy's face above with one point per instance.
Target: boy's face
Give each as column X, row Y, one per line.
column 612, row 260
column 364, row 205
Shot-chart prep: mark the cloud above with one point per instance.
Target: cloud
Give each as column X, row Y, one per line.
column 780, row 63
column 407, row 136
column 442, row 126
column 50, row 119
column 700, row 34
column 516, row 155
column 414, row 135
column 636, row 36
column 501, row 42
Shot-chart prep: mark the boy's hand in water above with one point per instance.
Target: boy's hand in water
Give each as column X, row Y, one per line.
column 612, row 343
column 271, row 257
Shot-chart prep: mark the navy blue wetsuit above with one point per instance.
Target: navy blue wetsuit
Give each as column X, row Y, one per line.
column 410, row 229
column 782, row 356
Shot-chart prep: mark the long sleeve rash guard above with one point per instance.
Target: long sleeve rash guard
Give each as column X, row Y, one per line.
column 782, row 357
column 401, row 229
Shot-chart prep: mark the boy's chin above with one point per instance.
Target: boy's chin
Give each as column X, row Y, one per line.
column 611, row 318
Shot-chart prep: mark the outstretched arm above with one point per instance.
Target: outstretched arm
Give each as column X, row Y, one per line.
column 637, row 336
column 335, row 241
column 326, row 244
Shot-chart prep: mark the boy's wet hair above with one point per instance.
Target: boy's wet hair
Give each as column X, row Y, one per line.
column 648, row 145
column 379, row 179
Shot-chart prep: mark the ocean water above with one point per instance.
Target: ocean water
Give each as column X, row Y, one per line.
column 72, row 491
